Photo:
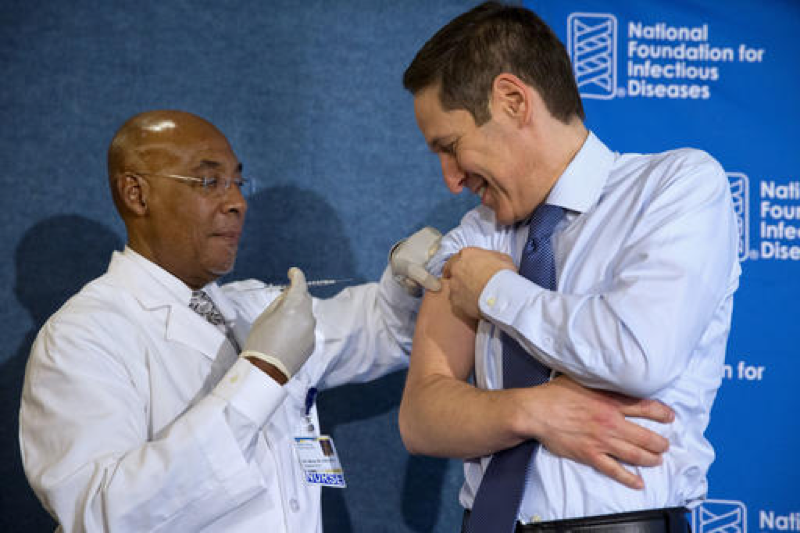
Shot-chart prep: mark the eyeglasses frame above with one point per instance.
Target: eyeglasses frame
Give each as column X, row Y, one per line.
column 205, row 182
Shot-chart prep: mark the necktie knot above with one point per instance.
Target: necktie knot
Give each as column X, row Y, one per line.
column 202, row 304
column 537, row 256
column 543, row 222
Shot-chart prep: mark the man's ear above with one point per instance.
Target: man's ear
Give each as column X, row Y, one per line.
column 512, row 98
column 133, row 191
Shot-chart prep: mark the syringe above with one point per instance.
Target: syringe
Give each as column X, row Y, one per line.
column 312, row 283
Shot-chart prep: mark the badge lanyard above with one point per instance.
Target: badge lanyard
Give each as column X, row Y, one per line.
column 317, row 453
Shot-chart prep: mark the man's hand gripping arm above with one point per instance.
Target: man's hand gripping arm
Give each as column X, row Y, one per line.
column 443, row 415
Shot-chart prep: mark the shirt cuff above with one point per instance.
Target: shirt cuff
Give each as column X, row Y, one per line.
column 504, row 295
column 250, row 391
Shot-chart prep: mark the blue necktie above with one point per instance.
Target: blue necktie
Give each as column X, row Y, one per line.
column 499, row 496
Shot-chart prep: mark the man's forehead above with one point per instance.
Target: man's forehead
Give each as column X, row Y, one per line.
column 201, row 153
column 427, row 103
column 438, row 126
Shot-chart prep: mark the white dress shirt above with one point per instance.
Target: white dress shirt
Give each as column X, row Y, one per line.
column 137, row 414
column 646, row 261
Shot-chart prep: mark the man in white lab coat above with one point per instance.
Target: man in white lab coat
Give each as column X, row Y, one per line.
column 140, row 414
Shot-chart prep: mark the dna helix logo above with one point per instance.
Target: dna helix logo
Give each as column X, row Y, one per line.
column 740, row 193
column 720, row 516
column 592, row 45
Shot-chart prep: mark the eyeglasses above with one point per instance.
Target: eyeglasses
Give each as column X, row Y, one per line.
column 211, row 185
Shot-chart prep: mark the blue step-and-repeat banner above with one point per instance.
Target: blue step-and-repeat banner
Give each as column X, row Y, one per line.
column 723, row 77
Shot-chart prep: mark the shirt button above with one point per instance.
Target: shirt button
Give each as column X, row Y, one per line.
column 536, row 518
column 294, row 505
column 490, row 301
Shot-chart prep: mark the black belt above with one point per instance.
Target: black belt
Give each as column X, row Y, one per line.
column 668, row 520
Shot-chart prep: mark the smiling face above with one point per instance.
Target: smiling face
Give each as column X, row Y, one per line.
column 190, row 232
column 496, row 161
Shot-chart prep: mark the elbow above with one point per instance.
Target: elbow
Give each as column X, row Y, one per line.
column 661, row 363
column 415, row 427
column 640, row 364
column 405, row 422
column 639, row 384
column 645, row 378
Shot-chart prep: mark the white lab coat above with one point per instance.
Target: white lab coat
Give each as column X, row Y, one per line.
column 136, row 414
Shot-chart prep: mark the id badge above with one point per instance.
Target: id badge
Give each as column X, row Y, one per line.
column 319, row 461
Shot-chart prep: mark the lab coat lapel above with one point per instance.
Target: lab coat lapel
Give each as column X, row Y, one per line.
column 187, row 327
column 181, row 324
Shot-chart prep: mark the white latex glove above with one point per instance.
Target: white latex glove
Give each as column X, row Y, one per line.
column 283, row 335
column 409, row 257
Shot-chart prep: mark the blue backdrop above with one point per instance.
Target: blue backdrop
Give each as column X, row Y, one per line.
column 721, row 76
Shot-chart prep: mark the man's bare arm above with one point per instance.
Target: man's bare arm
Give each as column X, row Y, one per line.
column 443, row 415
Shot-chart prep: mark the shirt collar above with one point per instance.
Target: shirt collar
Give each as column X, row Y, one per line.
column 176, row 288
column 579, row 187
column 172, row 285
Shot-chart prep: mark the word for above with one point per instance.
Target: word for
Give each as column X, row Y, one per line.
column 744, row 372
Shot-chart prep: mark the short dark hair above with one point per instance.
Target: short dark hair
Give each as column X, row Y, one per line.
column 467, row 54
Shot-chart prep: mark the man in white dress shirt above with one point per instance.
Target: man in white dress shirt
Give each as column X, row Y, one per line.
column 646, row 267
column 139, row 413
